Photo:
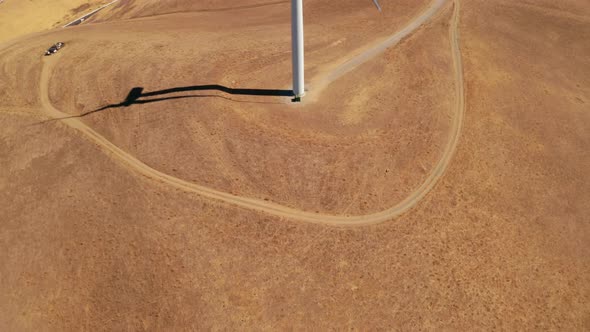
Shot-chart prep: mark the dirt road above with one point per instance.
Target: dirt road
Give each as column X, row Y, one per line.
column 86, row 16
column 276, row 209
column 380, row 47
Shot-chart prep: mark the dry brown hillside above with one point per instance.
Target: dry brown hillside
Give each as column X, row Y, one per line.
column 156, row 175
column 21, row 17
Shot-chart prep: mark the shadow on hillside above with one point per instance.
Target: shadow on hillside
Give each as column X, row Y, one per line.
column 137, row 96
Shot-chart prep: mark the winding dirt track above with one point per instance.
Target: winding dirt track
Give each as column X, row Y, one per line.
column 276, row 209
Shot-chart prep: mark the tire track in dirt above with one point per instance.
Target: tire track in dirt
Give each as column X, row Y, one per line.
column 212, row 10
column 273, row 208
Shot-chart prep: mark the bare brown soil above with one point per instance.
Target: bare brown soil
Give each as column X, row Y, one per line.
column 86, row 243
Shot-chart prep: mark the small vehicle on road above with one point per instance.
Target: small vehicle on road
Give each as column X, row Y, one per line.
column 53, row 49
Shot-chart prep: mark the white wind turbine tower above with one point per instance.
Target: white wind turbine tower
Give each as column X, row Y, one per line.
column 298, row 48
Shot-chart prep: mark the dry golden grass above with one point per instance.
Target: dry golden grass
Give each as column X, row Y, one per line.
column 21, row 17
column 502, row 242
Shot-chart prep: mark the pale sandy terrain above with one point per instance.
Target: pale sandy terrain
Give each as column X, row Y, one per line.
column 90, row 240
column 21, row 17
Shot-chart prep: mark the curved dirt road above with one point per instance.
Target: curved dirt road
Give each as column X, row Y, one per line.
column 276, row 209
